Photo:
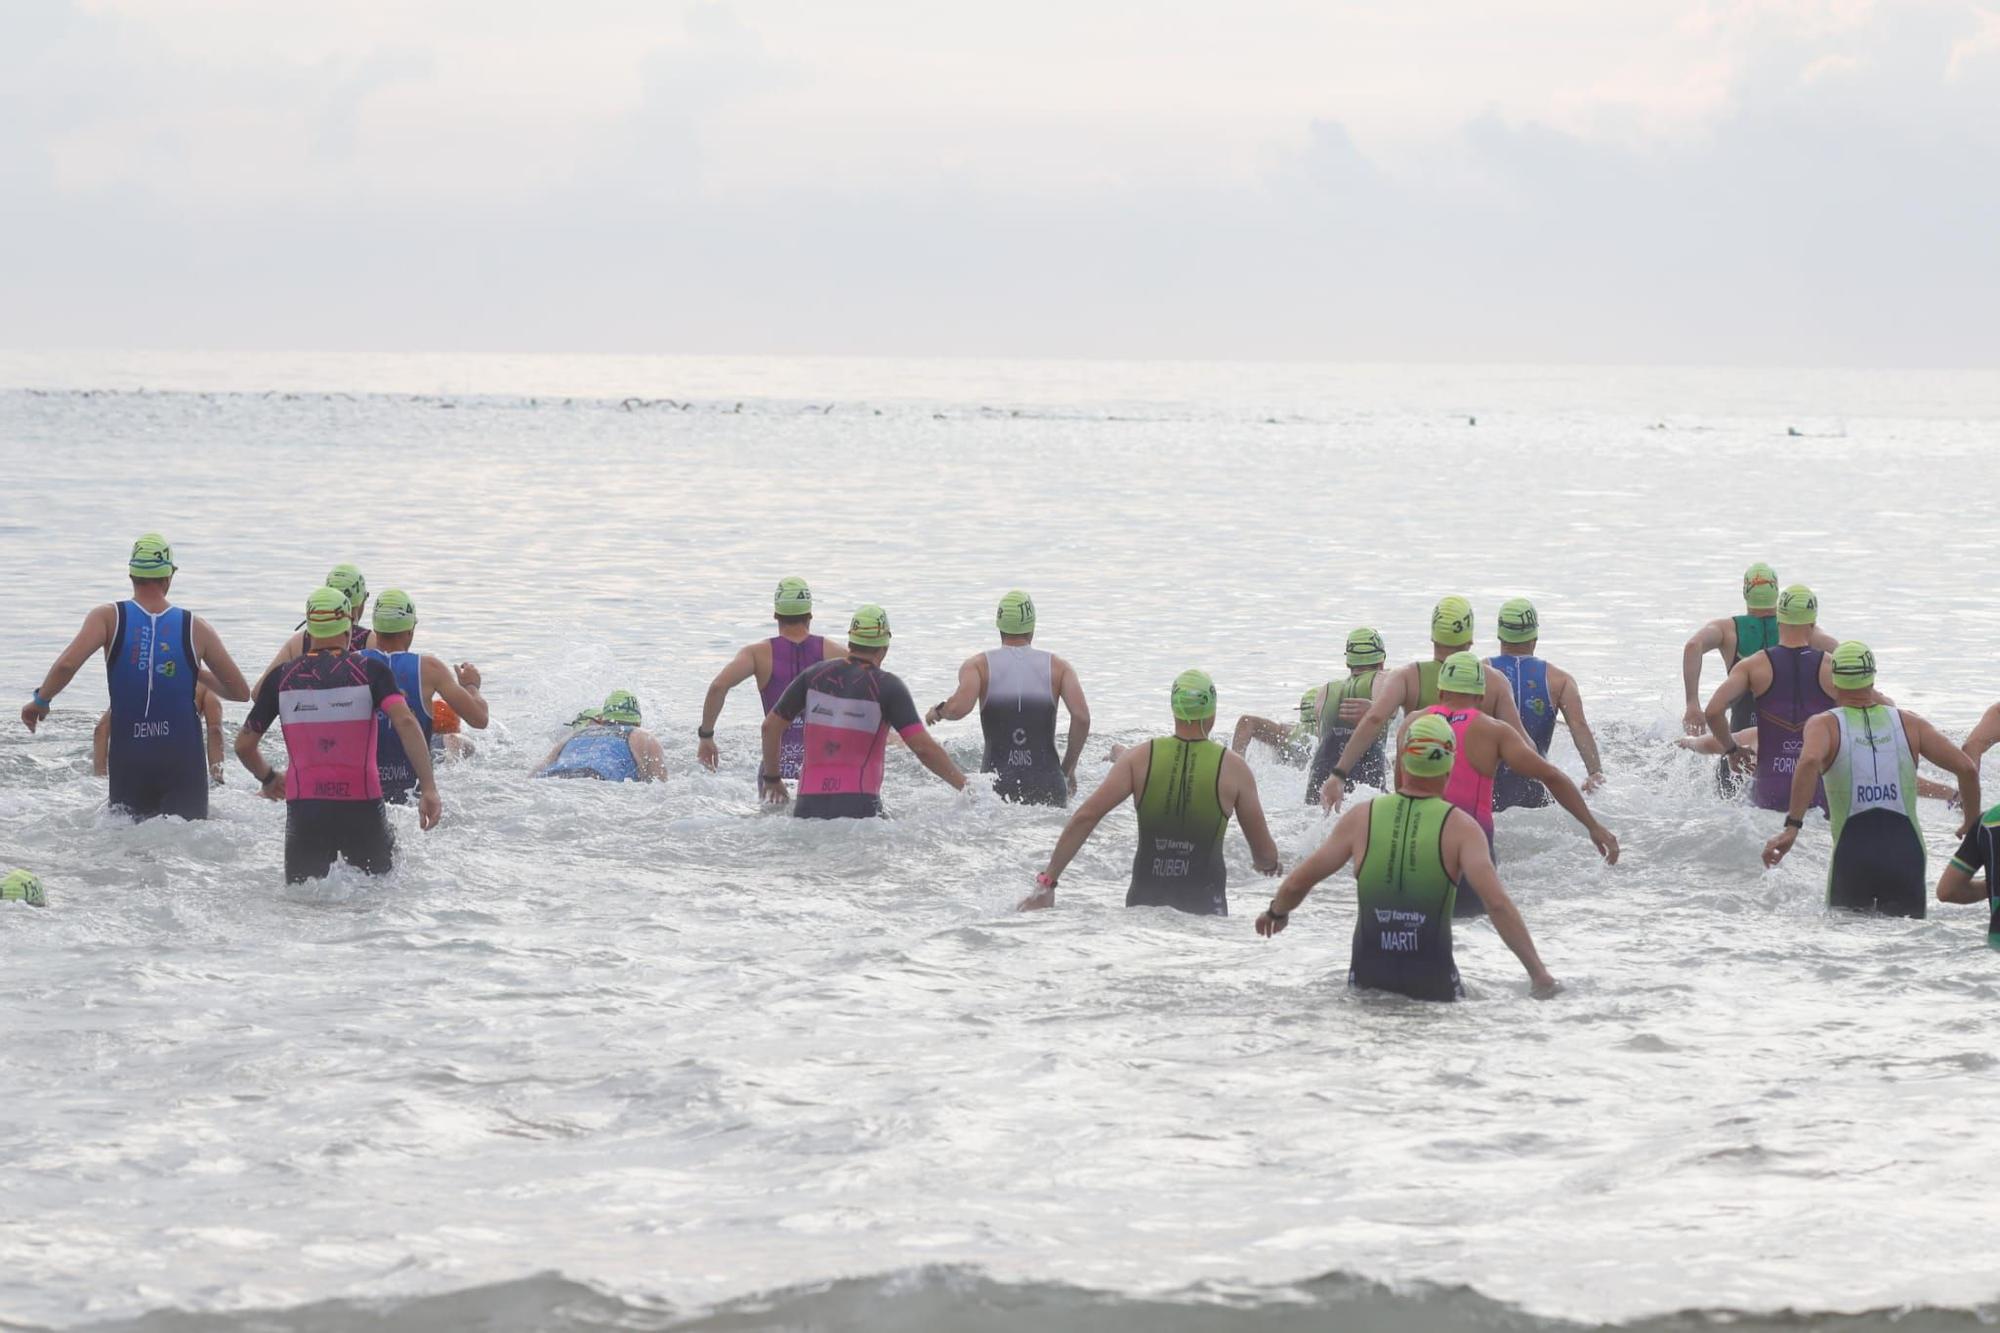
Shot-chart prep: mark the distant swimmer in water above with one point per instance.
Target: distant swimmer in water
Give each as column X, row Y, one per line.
column 609, row 743
column 1541, row 691
column 774, row 663
column 1344, row 706
column 342, row 578
column 1186, row 787
column 446, row 740
column 1978, row 853
column 1292, row 740
column 1868, row 752
column 421, row 677
column 205, row 704
column 155, row 656
column 325, row 702
column 21, row 887
column 850, row 706
column 1414, row 853
column 1017, row 687
column 1483, row 744
column 1414, row 688
column 1791, row 682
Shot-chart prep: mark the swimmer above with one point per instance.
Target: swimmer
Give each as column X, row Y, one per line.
column 1483, row 744
column 610, row 743
column 1791, row 682
column 1733, row 638
column 155, row 655
column 1345, row 705
column 1292, row 740
column 1185, row 787
column 446, row 741
column 342, row 578
column 1017, row 687
column 1867, row 752
column 1541, row 691
column 774, row 663
column 420, row 678
column 1413, row 854
column 205, row 704
column 1414, row 688
column 325, row 703
column 1978, row 851
column 21, row 887
column 850, row 706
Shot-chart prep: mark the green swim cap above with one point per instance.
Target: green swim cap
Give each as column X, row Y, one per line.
column 1853, row 666
column 22, row 887
column 1451, row 622
column 151, row 558
column 1365, row 648
column 1429, row 747
column 327, row 613
column 621, row 708
column 869, row 628
column 1193, row 696
column 1518, row 622
column 1798, row 606
column 394, row 612
column 1462, row 673
column 793, row 598
column 1309, row 708
column 1760, row 586
column 1016, row 614
column 348, row 579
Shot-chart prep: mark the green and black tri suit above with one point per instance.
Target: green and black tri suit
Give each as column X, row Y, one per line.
column 1402, row 930
column 1181, row 825
column 1333, row 737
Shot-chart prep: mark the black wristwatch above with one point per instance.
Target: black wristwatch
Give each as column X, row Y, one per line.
column 267, row 779
column 770, row 777
column 705, row 733
column 1273, row 912
column 1340, row 772
column 1794, row 823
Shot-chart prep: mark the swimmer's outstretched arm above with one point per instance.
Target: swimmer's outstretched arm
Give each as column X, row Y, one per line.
column 1745, row 739
column 963, row 699
column 738, row 669
column 1569, row 702
column 1388, row 698
column 1984, row 736
column 1465, row 842
column 1237, row 787
column 99, row 628
column 1079, row 719
column 1252, row 728
column 1733, row 687
column 646, row 751
column 459, row 688
column 1933, row 745
column 1345, row 843
column 1117, row 787
column 1706, row 640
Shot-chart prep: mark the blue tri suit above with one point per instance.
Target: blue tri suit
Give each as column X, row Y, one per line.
column 1530, row 678
column 159, row 765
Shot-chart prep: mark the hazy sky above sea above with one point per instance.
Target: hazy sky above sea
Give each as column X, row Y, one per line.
column 1758, row 182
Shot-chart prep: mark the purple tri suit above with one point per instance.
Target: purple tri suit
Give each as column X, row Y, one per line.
column 788, row 660
column 1782, row 713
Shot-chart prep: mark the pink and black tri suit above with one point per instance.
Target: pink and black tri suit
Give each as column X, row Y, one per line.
column 847, row 707
column 326, row 703
column 1471, row 791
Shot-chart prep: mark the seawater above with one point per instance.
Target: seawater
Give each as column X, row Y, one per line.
column 720, row 1070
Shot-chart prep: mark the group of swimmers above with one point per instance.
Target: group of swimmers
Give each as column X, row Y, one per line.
column 366, row 719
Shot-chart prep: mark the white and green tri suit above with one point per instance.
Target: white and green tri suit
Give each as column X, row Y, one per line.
column 1871, row 795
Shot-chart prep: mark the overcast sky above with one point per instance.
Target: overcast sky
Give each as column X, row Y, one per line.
column 1740, row 181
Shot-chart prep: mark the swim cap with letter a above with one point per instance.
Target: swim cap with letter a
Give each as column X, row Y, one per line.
column 327, row 614
column 1462, row 673
column 1853, row 666
column 1016, row 614
column 394, row 612
column 869, row 628
column 1192, row 696
column 1760, row 586
column 151, row 558
column 1429, row 747
column 1518, row 622
column 21, row 887
column 1798, row 606
column 793, row 598
column 621, row 708
column 1365, row 648
column 1451, row 622
column 348, row 579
